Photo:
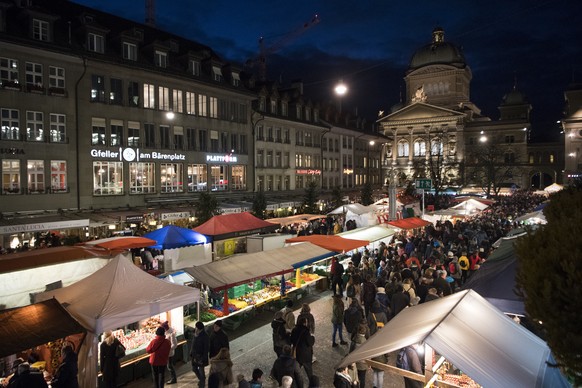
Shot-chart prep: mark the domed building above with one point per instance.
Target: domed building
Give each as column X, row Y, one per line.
column 438, row 133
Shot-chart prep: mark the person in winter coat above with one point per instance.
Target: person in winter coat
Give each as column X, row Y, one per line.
column 280, row 335
column 337, row 320
column 399, row 301
column 288, row 316
column 368, row 294
column 377, row 317
column 303, row 342
column 353, row 316
column 414, row 365
column 361, row 365
column 222, row 365
column 306, row 312
column 27, row 377
column 218, row 339
column 342, row 379
column 171, row 336
column 286, row 365
column 108, row 360
column 66, row 374
column 199, row 353
column 384, row 300
column 159, row 351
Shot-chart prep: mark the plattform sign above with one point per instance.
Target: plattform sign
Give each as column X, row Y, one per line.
column 131, row 155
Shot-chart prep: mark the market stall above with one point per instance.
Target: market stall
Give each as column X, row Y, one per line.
column 495, row 279
column 122, row 297
column 296, row 219
column 24, row 274
column 409, row 223
column 227, row 232
column 182, row 247
column 358, row 213
column 121, row 242
column 253, row 279
column 470, row 334
column 375, row 234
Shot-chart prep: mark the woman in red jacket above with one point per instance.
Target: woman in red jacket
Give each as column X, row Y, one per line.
column 159, row 350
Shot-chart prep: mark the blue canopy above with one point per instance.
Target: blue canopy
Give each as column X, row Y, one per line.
column 171, row 236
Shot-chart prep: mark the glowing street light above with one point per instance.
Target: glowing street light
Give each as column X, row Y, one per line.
column 340, row 89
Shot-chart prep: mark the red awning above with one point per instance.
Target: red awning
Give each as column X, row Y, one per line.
column 227, row 224
column 332, row 243
column 409, row 223
column 49, row 256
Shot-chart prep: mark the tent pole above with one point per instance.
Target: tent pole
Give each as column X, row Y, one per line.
column 225, row 302
column 298, row 278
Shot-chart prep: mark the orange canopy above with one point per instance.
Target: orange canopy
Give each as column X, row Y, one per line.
column 332, row 243
column 234, row 225
column 122, row 242
column 49, row 256
column 409, row 223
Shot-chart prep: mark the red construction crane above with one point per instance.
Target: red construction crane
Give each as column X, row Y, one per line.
column 261, row 59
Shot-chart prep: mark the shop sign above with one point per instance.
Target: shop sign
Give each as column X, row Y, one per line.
column 174, row 216
column 136, row 218
column 130, row 155
column 11, row 151
column 348, row 171
column 222, row 158
column 308, row 172
column 44, row 226
column 287, row 204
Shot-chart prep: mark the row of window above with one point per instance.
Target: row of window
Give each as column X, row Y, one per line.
column 165, row 137
column 34, row 75
column 35, row 126
column 165, row 99
column 36, row 176
column 109, row 178
column 419, row 147
column 282, row 107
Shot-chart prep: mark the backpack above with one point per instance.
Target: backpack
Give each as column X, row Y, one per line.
column 351, row 291
column 402, row 360
column 452, row 268
column 352, row 318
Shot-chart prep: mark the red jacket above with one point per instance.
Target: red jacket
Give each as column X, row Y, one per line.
column 160, row 351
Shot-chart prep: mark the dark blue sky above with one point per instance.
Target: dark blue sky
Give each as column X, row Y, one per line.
column 369, row 44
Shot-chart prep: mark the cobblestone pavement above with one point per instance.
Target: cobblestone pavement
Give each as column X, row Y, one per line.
column 251, row 347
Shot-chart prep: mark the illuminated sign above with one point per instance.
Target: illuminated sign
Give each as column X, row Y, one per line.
column 130, row 155
column 222, row 158
column 308, row 172
column 11, row 151
column 348, row 171
column 174, row 216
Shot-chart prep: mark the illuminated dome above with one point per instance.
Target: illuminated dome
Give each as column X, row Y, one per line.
column 438, row 52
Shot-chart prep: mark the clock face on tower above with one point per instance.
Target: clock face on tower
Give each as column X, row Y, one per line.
column 129, row 154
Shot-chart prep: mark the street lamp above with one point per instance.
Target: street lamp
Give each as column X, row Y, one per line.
column 371, row 144
column 340, row 89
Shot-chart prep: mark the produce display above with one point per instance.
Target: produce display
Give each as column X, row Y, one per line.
column 458, row 379
column 138, row 338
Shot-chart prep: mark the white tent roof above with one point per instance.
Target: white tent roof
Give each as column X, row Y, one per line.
column 536, row 217
column 471, row 204
column 370, row 233
column 119, row 294
column 356, row 208
column 472, row 334
column 242, row 268
column 554, row 187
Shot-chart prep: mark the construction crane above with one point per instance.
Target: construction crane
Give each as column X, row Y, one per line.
column 150, row 13
column 264, row 51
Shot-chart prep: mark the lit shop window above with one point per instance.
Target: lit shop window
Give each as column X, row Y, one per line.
column 35, row 172
column 238, row 178
column 197, row 177
column 10, row 176
column 34, row 126
column 58, row 128
column 58, row 176
column 218, row 178
column 10, row 124
column 142, row 178
column 107, row 178
column 171, row 177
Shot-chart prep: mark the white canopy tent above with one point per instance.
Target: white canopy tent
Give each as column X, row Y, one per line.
column 118, row 294
column 471, row 205
column 475, row 336
column 532, row 218
column 553, row 188
column 362, row 215
column 375, row 234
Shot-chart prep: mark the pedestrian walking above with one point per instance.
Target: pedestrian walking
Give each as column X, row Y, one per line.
column 222, row 366
column 337, row 320
column 306, row 312
column 159, row 351
column 288, row 316
column 199, row 353
column 280, row 335
column 171, row 336
column 303, row 342
column 109, row 358
column 218, row 339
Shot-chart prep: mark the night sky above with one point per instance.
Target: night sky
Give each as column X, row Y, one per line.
column 369, row 44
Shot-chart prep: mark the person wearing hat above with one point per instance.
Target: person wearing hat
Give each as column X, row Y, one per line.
column 159, row 351
column 171, row 336
column 442, row 284
column 383, row 299
column 218, row 339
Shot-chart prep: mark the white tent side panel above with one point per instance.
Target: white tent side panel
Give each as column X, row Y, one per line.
column 187, row 256
column 16, row 287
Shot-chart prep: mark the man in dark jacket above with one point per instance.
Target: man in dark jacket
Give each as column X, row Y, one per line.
column 285, row 365
column 199, row 353
column 337, row 270
column 400, row 300
column 26, row 377
column 368, row 294
column 342, row 379
column 66, row 374
column 218, row 339
column 441, row 283
column 303, row 341
column 280, row 335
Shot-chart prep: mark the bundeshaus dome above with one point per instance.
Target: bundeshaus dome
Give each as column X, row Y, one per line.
column 514, row 97
column 438, row 52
